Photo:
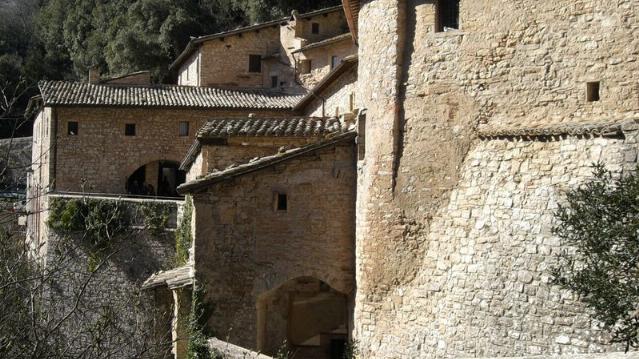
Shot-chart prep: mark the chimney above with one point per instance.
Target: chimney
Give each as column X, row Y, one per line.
column 94, row 74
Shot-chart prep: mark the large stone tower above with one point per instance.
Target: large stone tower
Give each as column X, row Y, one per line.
column 480, row 114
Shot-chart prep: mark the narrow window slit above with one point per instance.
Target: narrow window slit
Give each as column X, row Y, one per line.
column 592, row 91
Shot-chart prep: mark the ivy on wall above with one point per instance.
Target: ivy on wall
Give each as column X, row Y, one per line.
column 183, row 234
column 101, row 221
column 198, row 347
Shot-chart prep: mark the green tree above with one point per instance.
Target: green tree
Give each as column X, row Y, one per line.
column 600, row 220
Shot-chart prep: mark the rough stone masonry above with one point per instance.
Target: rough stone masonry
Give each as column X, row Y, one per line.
column 453, row 227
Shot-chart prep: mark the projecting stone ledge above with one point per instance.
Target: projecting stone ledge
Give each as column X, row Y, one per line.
column 174, row 278
column 230, row 351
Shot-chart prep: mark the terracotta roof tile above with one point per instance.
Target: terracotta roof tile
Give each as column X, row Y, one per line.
column 576, row 125
column 270, row 127
column 77, row 93
column 306, row 127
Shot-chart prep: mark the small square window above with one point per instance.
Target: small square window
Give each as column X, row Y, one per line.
column 129, row 129
column 281, row 202
column 255, row 63
column 305, row 66
column 447, row 15
column 315, row 28
column 592, row 91
column 72, row 128
column 184, row 128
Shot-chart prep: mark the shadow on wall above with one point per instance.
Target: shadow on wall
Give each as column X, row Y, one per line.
column 307, row 314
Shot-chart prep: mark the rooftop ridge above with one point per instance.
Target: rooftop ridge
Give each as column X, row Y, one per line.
column 65, row 93
column 293, row 127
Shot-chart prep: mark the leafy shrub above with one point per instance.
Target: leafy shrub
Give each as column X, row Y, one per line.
column 601, row 222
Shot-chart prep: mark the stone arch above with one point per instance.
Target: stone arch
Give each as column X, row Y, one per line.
column 278, row 279
column 308, row 313
column 155, row 178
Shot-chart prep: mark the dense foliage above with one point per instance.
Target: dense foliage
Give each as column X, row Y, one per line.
column 62, row 39
column 601, row 222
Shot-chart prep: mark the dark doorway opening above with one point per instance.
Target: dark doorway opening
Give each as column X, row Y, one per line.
column 169, row 178
column 135, row 183
column 159, row 178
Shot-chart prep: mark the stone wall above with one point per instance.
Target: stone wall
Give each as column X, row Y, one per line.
column 514, row 65
column 330, row 24
column 96, row 297
column 225, row 62
column 321, row 57
column 243, row 149
column 100, row 158
column 239, row 150
column 481, row 282
column 244, row 247
column 338, row 98
column 189, row 73
column 38, row 182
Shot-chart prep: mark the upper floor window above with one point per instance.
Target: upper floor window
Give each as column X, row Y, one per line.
column 184, row 128
column 129, row 129
column 255, row 63
column 72, row 128
column 592, row 91
column 447, row 15
column 315, row 29
column 274, row 81
column 281, row 202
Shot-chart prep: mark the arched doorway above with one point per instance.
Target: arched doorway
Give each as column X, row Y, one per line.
column 306, row 313
column 158, row 178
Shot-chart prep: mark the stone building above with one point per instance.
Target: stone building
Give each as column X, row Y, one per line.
column 250, row 249
column 480, row 115
column 266, row 55
column 401, row 197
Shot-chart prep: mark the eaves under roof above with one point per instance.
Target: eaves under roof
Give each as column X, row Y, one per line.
column 347, row 63
column 351, row 10
column 195, row 42
column 62, row 93
column 545, row 127
column 300, row 127
column 201, row 184
column 330, row 41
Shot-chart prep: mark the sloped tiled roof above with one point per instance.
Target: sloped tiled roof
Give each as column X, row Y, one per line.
column 174, row 278
column 351, row 9
column 85, row 94
column 304, row 127
column 261, row 163
column 232, row 351
column 269, row 127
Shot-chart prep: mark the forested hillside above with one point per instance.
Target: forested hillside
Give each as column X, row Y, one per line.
column 61, row 39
